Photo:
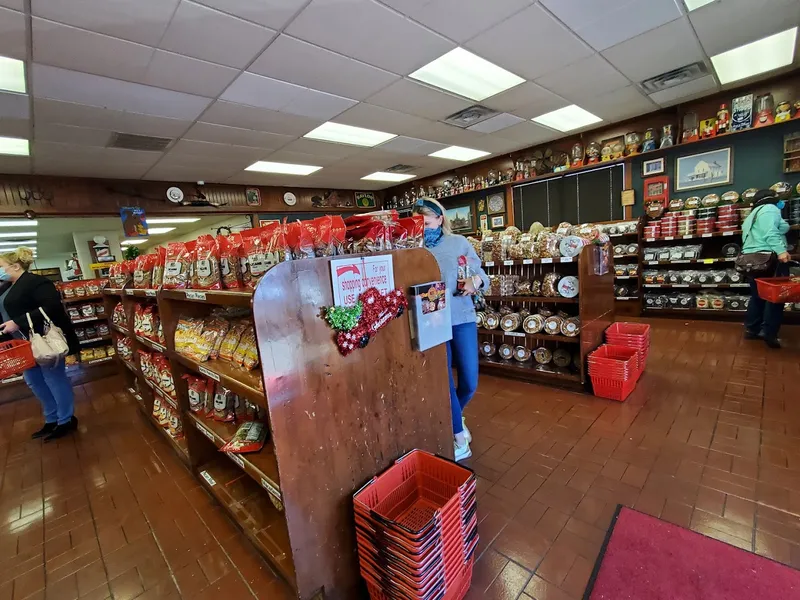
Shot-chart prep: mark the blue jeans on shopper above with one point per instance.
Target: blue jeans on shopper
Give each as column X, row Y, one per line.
column 765, row 317
column 54, row 390
column 462, row 353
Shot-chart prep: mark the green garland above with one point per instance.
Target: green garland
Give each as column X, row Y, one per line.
column 343, row 318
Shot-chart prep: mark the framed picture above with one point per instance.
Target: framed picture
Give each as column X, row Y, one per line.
column 365, row 200
column 462, row 218
column 498, row 221
column 496, row 203
column 653, row 167
column 707, row 169
column 253, row 196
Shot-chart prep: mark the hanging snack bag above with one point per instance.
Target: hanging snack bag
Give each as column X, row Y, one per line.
column 414, row 227
column 177, row 265
column 143, row 272
column 157, row 275
column 250, row 437
column 254, row 254
column 300, row 237
column 206, row 264
column 229, row 251
column 276, row 248
column 231, row 340
column 223, row 405
column 198, row 389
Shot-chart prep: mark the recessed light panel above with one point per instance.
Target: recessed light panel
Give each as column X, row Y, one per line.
column 384, row 176
column 766, row 54
column 16, row 234
column 347, row 134
column 158, row 230
column 171, row 220
column 264, row 166
column 16, row 243
column 135, row 242
column 12, row 75
column 19, row 223
column 567, row 118
column 463, row 73
column 14, row 146
column 459, row 153
column 695, row 4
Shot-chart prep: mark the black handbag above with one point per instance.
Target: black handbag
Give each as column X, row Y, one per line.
column 756, row 263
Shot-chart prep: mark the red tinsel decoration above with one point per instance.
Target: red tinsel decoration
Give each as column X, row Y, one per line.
column 378, row 311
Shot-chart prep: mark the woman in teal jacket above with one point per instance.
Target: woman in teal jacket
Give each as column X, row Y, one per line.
column 764, row 230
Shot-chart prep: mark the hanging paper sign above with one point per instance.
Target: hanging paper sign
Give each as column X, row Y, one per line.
column 352, row 276
column 134, row 221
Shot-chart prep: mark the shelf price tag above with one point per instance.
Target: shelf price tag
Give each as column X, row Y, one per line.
column 205, row 431
column 489, row 263
column 508, row 263
column 680, row 285
column 652, row 285
column 727, row 233
column 158, row 347
column 708, row 285
column 150, row 293
column 688, row 237
column 527, row 261
column 566, row 259
column 236, row 458
column 514, row 333
column 546, row 261
column 209, row 374
column 681, row 262
column 271, row 489
column 708, row 261
column 195, row 295
column 650, row 239
column 209, row 479
column 707, row 235
column 129, row 292
column 669, row 237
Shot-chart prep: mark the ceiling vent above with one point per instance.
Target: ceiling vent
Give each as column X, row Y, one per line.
column 470, row 116
column 399, row 169
column 142, row 143
column 675, row 77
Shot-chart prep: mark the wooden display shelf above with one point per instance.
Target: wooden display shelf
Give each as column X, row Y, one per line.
column 112, row 291
column 131, row 367
column 544, row 337
column 81, row 299
column 119, row 329
column 138, row 397
column 89, row 319
column 162, row 394
column 155, row 346
column 252, row 511
column 696, row 312
column 681, row 238
column 530, row 261
column 696, row 286
column 626, row 277
column 530, row 369
column 240, row 381
column 261, row 466
column 536, row 299
column 94, row 340
column 689, row 261
column 622, row 298
column 621, row 256
column 215, row 297
column 96, row 361
column 179, row 445
column 619, row 235
column 141, row 293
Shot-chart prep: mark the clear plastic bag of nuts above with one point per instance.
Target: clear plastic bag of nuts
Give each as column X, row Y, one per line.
column 508, row 284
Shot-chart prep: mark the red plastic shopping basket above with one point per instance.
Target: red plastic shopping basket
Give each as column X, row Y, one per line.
column 779, row 289
column 15, row 357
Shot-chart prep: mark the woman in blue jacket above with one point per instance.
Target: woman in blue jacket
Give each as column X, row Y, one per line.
column 764, row 230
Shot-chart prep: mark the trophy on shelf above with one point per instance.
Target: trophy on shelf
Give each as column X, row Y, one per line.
column 606, row 152
column 509, row 175
column 491, row 178
column 593, row 152
column 650, row 138
column 466, row 184
column 742, row 113
column 690, row 129
column 765, row 110
column 431, row 192
column 667, row 137
column 632, row 141
column 708, row 128
column 577, row 155
column 723, row 119
column 520, row 168
column 783, row 112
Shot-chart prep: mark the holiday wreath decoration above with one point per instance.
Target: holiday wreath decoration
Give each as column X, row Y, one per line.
column 357, row 325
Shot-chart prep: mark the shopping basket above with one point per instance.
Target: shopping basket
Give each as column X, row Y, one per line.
column 779, row 289
column 15, row 357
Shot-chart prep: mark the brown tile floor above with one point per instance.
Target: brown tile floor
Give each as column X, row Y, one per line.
column 709, row 440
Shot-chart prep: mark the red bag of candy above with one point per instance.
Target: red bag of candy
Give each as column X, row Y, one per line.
column 229, row 248
column 253, row 253
column 143, row 271
column 224, row 405
column 300, row 237
column 330, row 236
column 200, row 391
column 157, row 277
column 410, row 232
column 275, row 245
column 206, row 264
column 177, row 265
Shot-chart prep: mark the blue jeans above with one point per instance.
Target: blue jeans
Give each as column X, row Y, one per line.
column 54, row 390
column 462, row 353
column 765, row 317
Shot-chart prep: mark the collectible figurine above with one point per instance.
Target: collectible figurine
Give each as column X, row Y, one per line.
column 632, row 141
column 577, row 155
column 708, row 128
column 742, row 113
column 617, row 149
column 667, row 137
column 783, row 112
column 765, row 110
column 690, row 130
column 649, row 143
column 723, row 119
column 605, row 153
column 593, row 151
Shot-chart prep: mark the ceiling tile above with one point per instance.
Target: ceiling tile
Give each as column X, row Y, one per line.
column 694, row 89
column 416, row 99
column 318, row 105
column 528, row 133
column 258, row 119
column 208, row 34
column 12, row 34
column 208, row 132
column 301, row 158
column 496, row 123
column 14, row 106
column 19, row 128
column 603, row 25
column 531, row 44
column 460, row 20
column 228, row 152
column 271, row 13
column 262, row 92
column 402, row 46
column 15, row 165
column 83, row 88
column 66, row 134
column 143, row 21
column 588, row 76
column 668, row 47
column 80, row 115
column 77, row 154
column 190, row 75
column 526, row 94
column 89, row 169
column 323, row 149
column 80, row 50
column 415, row 146
column 498, row 145
column 620, row 104
column 296, row 61
column 167, row 172
column 447, row 134
column 18, row 5
column 380, row 119
column 732, row 23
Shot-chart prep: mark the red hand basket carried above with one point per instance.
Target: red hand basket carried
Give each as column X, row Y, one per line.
column 779, row 289
column 15, row 357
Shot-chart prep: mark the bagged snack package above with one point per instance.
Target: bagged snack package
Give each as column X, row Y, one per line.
column 80, row 289
column 198, row 389
column 187, row 333
column 138, row 312
column 223, row 405
column 223, row 327
column 229, row 251
column 231, row 340
column 118, row 316
column 300, row 237
column 143, row 271
column 93, row 287
column 246, row 354
column 146, row 365
column 177, row 265
column 99, row 310
column 157, row 276
column 254, row 254
column 67, row 290
column 214, row 328
column 87, row 310
column 250, row 437
column 175, row 426
column 157, row 409
column 414, row 227
column 275, row 246
column 206, row 264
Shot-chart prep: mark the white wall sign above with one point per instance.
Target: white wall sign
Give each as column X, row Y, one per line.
column 352, row 276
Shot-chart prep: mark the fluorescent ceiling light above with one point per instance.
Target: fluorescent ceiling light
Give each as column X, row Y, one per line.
column 384, row 176
column 264, row 166
column 347, row 134
column 135, row 242
column 17, row 243
column 15, row 234
column 157, row 230
column 459, row 153
column 766, row 54
column 14, row 146
column 695, row 4
column 12, row 75
column 463, row 73
column 567, row 118
column 171, row 220
column 19, row 223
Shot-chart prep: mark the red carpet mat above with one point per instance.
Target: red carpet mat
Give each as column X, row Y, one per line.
column 646, row 558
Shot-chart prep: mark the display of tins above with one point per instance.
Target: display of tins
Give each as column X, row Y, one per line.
column 676, row 204
column 561, row 358
column 632, row 249
column 571, row 327
column 521, row 354
column 730, row 197
column 488, row 349
column 621, row 291
column 552, row 325
column 782, row 190
column 510, row 322
column 533, row 324
column 542, row 355
column 506, row 352
column 735, row 303
column 619, row 250
column 568, row 286
column 650, row 141
column 765, row 110
column 735, row 277
column 710, row 200
column 491, row 321
column 744, row 212
column 571, row 245
column 797, row 189
column 704, row 277
column 749, row 194
column 692, row 203
column 667, row 136
column 480, row 318
column 654, row 210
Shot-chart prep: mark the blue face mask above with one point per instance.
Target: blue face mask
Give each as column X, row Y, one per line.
column 4, row 276
column 433, row 237
column 780, row 204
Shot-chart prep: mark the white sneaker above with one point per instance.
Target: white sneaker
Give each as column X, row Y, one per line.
column 467, row 432
column 462, row 452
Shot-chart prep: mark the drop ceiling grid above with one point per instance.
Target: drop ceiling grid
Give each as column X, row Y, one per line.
column 302, row 62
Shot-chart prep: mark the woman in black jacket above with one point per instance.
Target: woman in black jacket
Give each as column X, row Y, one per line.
column 28, row 293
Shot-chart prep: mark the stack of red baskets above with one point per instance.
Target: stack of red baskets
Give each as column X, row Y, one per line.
column 631, row 335
column 615, row 367
column 417, row 529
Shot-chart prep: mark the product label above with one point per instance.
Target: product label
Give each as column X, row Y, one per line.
column 508, row 263
column 172, row 268
column 209, row 479
column 204, row 268
column 129, row 292
column 566, row 259
column 707, row 234
column 527, row 261
column 225, row 266
column 151, row 293
column 488, row 263
column 271, row 488
column 546, row 261
column 195, row 295
column 209, row 374
column 514, row 334
column 237, row 459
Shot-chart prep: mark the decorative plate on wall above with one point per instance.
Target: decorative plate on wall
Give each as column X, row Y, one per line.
column 289, row 199
column 496, row 203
